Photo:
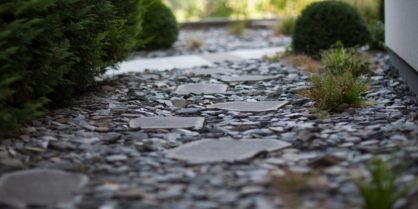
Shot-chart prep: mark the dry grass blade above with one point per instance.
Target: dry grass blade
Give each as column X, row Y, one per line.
column 303, row 62
column 194, row 42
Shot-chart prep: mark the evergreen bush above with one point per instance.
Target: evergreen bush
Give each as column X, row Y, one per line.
column 160, row 25
column 324, row 23
column 52, row 49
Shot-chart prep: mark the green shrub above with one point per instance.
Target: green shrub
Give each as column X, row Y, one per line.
column 159, row 26
column 340, row 60
column 335, row 92
column 285, row 26
column 377, row 31
column 322, row 24
column 35, row 55
column 218, row 8
column 52, row 49
column 381, row 192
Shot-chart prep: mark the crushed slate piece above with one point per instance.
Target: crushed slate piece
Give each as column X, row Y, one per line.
column 167, row 122
column 249, row 106
column 201, row 89
column 246, row 78
column 224, row 150
column 40, row 187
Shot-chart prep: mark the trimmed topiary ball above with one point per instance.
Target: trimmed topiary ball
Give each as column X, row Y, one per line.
column 323, row 24
column 159, row 26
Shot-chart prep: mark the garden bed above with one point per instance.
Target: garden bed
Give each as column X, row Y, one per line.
column 130, row 169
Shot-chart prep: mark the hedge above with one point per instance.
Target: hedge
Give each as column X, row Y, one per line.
column 53, row 49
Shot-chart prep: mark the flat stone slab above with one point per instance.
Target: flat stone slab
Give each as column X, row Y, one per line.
column 246, row 78
column 208, row 71
column 201, row 89
column 167, row 122
column 40, row 187
column 249, row 106
column 160, row 64
column 224, row 150
column 220, row 57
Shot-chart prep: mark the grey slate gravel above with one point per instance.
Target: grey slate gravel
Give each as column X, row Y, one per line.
column 337, row 149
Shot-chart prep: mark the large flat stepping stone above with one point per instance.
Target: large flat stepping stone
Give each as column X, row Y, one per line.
column 249, row 106
column 40, row 187
column 247, row 78
column 201, row 89
column 224, row 150
column 167, row 122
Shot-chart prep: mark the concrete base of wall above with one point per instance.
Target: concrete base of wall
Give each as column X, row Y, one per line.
column 407, row 72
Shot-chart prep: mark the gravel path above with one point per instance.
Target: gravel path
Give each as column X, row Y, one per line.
column 217, row 40
column 129, row 168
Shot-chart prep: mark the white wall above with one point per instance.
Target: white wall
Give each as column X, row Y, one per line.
column 402, row 29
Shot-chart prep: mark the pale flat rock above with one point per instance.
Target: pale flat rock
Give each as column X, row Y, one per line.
column 245, row 78
column 167, row 122
column 160, row 64
column 40, row 187
column 201, row 89
column 258, row 53
column 220, row 57
column 208, row 71
column 224, row 150
column 249, row 106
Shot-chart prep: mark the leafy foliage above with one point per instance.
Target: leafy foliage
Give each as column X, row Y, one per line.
column 339, row 60
column 324, row 23
column 377, row 31
column 368, row 9
column 238, row 28
column 52, row 49
column 159, row 26
column 218, row 8
column 285, row 26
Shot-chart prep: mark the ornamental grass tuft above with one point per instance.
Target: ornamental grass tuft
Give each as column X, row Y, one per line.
column 340, row 60
column 337, row 92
